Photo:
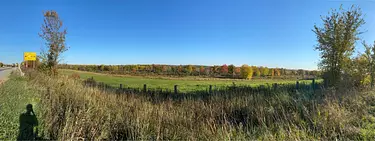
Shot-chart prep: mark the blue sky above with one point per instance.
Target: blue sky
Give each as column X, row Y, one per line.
column 204, row 32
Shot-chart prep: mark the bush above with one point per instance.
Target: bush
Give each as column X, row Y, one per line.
column 75, row 76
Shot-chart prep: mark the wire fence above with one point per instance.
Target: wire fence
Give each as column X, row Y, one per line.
column 212, row 90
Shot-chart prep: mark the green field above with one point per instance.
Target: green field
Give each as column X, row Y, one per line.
column 184, row 84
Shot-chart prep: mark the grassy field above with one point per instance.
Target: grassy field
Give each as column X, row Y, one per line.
column 184, row 84
column 74, row 112
column 15, row 95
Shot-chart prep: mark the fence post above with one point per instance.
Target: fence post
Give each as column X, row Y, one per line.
column 144, row 88
column 275, row 86
column 175, row 89
column 210, row 89
column 120, row 86
column 325, row 83
column 313, row 84
column 297, row 84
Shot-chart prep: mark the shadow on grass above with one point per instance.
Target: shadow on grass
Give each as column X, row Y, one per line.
column 28, row 122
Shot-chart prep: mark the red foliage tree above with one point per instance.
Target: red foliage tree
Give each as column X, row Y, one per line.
column 201, row 70
column 224, row 69
column 237, row 70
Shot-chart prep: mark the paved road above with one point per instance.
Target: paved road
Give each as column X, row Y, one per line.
column 4, row 73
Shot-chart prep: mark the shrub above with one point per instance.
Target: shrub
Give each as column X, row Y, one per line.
column 75, row 76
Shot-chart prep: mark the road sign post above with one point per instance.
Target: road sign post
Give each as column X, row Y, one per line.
column 29, row 56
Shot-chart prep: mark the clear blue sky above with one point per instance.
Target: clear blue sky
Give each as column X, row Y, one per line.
column 207, row 32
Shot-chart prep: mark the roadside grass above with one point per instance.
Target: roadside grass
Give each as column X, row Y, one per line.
column 184, row 84
column 15, row 94
column 75, row 112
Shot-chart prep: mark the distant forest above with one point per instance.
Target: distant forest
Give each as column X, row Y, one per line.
column 224, row 71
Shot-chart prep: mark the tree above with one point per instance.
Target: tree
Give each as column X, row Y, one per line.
column 189, row 69
column 115, row 68
column 237, row 71
column 216, row 69
column 224, row 69
column 54, row 36
column 194, row 69
column 265, row 71
column 134, row 68
column 246, row 72
column 277, row 72
column 370, row 57
column 336, row 41
column 179, row 69
column 301, row 72
column 257, row 72
column 101, row 67
column 272, row 73
column 231, row 69
column 201, row 70
column 1, row 64
column 360, row 73
column 164, row 68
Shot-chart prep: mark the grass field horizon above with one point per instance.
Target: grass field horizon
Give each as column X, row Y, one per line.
column 154, row 72
column 185, row 84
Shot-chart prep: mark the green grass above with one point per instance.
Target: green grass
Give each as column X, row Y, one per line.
column 184, row 84
column 14, row 96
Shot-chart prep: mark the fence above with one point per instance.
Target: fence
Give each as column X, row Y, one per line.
column 157, row 93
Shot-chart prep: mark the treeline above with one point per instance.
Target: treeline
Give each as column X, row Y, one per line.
column 8, row 65
column 224, row 71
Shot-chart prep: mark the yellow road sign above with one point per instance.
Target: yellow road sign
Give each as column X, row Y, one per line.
column 29, row 56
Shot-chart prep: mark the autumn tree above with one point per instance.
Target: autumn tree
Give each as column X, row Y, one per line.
column 301, row 72
column 336, row 41
column 179, row 69
column 115, row 68
column 194, row 69
column 101, row 67
column 370, row 61
column 134, row 68
column 53, row 33
column 201, row 70
column 224, row 69
column 257, row 72
column 360, row 75
column 237, row 71
column 216, row 69
column 231, row 69
column 189, row 69
column 208, row 71
column 265, row 71
column 277, row 72
column 246, row 72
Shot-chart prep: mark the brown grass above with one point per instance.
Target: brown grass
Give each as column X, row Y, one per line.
column 72, row 112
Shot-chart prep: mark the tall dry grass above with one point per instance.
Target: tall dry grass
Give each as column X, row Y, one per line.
column 72, row 111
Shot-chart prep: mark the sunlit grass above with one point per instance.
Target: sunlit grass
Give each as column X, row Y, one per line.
column 15, row 94
column 184, row 84
column 87, row 113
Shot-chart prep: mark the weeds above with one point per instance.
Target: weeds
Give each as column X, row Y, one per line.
column 72, row 111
